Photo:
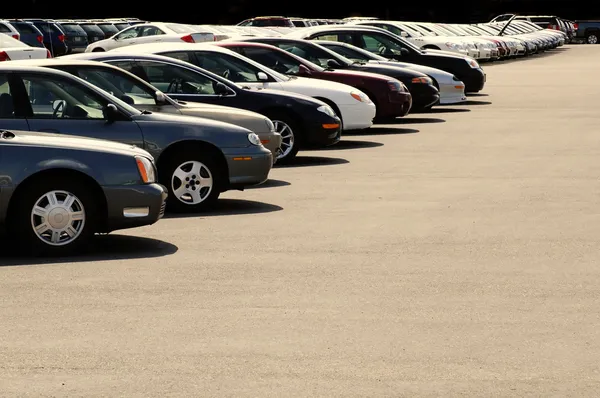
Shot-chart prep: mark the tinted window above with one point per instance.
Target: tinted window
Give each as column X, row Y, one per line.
column 150, row 31
column 275, row 60
column 108, row 28
column 341, row 37
column 7, row 108
column 48, row 28
column 175, row 79
column 227, row 66
column 92, row 29
column 378, row 44
column 26, row 28
column 52, row 98
column 347, row 52
column 122, row 26
column 118, row 84
column 181, row 55
column 4, row 28
column 311, row 53
column 72, row 28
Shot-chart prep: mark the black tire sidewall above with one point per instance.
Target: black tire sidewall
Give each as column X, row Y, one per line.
column 166, row 171
column 20, row 221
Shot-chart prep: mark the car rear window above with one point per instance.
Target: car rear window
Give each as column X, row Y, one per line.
column 48, row 28
column 122, row 26
column 92, row 28
column 108, row 28
column 25, row 28
column 73, row 28
column 177, row 28
column 4, row 28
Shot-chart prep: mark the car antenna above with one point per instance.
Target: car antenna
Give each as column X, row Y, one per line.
column 506, row 25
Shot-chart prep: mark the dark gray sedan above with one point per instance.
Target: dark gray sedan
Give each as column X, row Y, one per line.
column 56, row 191
column 197, row 158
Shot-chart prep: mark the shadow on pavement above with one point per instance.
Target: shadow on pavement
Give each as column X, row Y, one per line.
column 418, row 120
column 303, row 161
column 442, row 109
column 230, row 207
column 102, row 248
column 270, row 183
column 477, row 95
column 351, row 144
column 473, row 102
column 380, row 130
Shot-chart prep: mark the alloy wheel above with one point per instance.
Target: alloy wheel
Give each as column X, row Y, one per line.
column 287, row 138
column 58, row 218
column 192, row 182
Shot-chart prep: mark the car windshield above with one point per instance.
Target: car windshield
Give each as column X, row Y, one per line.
column 235, row 68
column 314, row 53
column 353, row 53
column 278, row 60
column 122, row 26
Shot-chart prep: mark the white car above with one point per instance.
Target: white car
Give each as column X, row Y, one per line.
column 152, row 32
column 485, row 48
column 12, row 49
column 420, row 37
column 353, row 106
column 452, row 89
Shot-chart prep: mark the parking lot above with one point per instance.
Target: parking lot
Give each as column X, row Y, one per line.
column 454, row 252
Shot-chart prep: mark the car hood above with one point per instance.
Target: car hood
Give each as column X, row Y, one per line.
column 63, row 141
column 388, row 70
column 359, row 74
column 188, row 122
column 443, row 54
column 251, row 120
column 289, row 94
column 438, row 73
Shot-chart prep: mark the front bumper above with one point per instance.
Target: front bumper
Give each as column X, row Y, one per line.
column 358, row 116
column 423, row 96
column 452, row 93
column 133, row 206
column 270, row 140
column 474, row 80
column 394, row 104
column 319, row 135
column 248, row 166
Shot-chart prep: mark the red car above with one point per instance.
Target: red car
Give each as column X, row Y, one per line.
column 391, row 97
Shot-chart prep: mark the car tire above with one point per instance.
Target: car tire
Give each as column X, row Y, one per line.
column 183, row 172
column 98, row 50
column 591, row 38
column 291, row 135
column 66, row 223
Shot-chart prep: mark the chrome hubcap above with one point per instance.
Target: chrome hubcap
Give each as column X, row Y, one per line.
column 58, row 218
column 192, row 182
column 287, row 138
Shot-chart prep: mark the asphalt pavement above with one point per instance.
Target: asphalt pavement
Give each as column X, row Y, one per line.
column 454, row 253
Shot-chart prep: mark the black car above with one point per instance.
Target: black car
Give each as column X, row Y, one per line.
column 424, row 95
column 57, row 191
column 380, row 41
column 30, row 35
column 75, row 37
column 308, row 121
column 108, row 28
column 53, row 36
column 93, row 31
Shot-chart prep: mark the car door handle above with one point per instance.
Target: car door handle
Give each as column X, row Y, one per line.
column 54, row 131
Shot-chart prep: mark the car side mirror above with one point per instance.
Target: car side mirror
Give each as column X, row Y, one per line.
column 403, row 34
column 262, row 76
column 404, row 52
column 332, row 63
column 161, row 98
column 304, row 71
column 221, row 89
column 110, row 112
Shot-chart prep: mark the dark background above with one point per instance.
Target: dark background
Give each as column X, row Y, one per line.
column 234, row 11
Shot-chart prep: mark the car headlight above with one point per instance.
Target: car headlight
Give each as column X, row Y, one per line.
column 254, row 139
column 395, row 85
column 326, row 109
column 455, row 46
column 146, row 168
column 424, row 80
column 360, row 96
column 270, row 125
column 472, row 63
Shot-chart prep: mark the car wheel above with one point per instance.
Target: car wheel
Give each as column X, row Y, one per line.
column 592, row 38
column 290, row 136
column 194, row 180
column 54, row 217
column 98, row 50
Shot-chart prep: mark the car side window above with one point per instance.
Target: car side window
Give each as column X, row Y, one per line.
column 227, row 66
column 118, row 84
column 128, row 33
column 341, row 37
column 180, row 55
column 4, row 28
column 346, row 52
column 174, row 79
column 151, row 31
column 379, row 44
column 7, row 105
column 275, row 60
column 52, row 98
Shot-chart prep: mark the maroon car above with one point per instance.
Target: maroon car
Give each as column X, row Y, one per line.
column 390, row 99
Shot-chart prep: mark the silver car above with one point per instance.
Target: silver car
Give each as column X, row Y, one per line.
column 143, row 96
column 197, row 158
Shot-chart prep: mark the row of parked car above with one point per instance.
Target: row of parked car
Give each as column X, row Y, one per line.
column 187, row 121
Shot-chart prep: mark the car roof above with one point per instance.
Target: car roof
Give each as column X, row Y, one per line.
column 18, row 66
column 174, row 46
column 59, row 61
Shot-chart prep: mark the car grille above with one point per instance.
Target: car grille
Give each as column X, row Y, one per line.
column 161, row 213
